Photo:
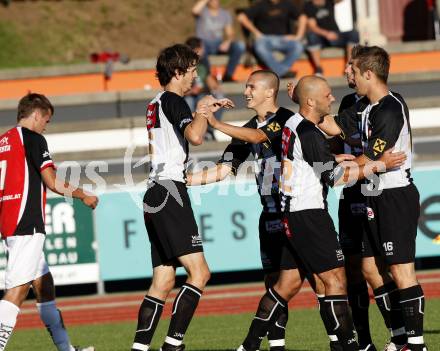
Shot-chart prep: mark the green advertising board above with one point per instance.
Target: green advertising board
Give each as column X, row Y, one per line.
column 70, row 245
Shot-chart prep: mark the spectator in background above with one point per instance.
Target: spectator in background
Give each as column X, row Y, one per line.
column 204, row 83
column 323, row 31
column 214, row 27
column 270, row 23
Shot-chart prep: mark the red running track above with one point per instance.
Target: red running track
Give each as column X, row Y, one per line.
column 215, row 301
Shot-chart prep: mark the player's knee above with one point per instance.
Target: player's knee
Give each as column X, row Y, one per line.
column 404, row 275
column 335, row 282
column 164, row 284
column 288, row 286
column 200, row 276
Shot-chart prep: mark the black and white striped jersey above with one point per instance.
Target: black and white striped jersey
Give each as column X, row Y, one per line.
column 267, row 157
column 308, row 167
column 383, row 125
column 167, row 117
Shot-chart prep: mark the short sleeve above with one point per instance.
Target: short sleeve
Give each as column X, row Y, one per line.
column 386, row 123
column 39, row 153
column 316, row 152
column 176, row 111
column 274, row 129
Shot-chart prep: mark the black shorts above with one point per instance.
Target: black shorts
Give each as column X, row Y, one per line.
column 352, row 219
column 314, row 240
column 274, row 246
column 392, row 221
column 170, row 223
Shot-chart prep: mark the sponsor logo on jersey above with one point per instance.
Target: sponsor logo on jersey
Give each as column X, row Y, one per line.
column 274, row 127
column 10, row 197
column 274, row 226
column 46, row 154
column 185, row 121
column 4, row 141
column 379, row 146
column 4, row 146
column 358, row 208
column 370, row 213
column 151, row 116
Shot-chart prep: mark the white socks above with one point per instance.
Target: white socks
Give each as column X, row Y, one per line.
column 8, row 318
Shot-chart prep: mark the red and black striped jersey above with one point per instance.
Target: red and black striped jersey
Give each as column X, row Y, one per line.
column 23, row 156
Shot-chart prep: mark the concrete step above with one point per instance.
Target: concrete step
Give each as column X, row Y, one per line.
column 217, row 60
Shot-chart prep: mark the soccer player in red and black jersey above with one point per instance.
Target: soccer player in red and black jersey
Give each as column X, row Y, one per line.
column 26, row 170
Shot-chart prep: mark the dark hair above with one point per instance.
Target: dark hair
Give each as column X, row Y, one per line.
column 271, row 77
column 31, row 102
column 375, row 59
column 194, row 42
column 178, row 58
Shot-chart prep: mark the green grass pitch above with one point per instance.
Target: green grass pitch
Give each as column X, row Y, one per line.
column 305, row 332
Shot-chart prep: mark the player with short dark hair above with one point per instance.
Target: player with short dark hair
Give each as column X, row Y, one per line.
column 384, row 125
column 26, row 169
column 169, row 218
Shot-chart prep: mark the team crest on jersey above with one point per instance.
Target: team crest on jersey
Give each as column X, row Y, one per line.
column 274, row 127
column 370, row 213
column 151, row 116
column 379, row 146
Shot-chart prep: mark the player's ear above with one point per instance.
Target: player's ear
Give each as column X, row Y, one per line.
column 368, row 74
column 270, row 93
column 311, row 102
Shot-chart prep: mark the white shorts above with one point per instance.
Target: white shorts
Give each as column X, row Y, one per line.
column 25, row 259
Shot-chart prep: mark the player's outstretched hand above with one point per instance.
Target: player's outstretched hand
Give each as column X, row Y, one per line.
column 344, row 157
column 393, row 159
column 90, row 201
column 216, row 105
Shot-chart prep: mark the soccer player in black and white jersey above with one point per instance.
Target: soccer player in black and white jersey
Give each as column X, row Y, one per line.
column 261, row 138
column 352, row 224
column 169, row 218
column 392, row 199
column 308, row 170
column 26, row 170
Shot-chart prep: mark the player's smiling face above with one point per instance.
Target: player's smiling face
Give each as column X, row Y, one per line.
column 255, row 92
